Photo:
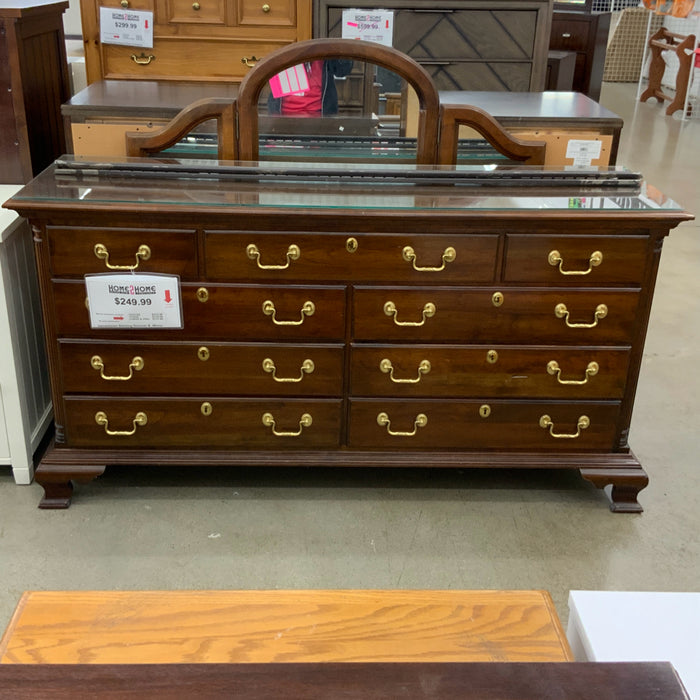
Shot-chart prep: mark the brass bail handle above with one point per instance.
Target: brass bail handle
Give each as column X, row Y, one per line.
column 307, row 309
column 304, row 422
column 547, row 423
column 250, row 62
column 140, row 419
column 409, row 255
column 102, row 253
column 601, row 311
column 98, row 365
column 429, row 310
column 554, row 369
column 293, row 253
column 423, row 368
column 420, row 421
column 307, row 367
column 142, row 60
column 555, row 259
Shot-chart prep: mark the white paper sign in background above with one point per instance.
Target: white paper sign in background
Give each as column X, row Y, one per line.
column 583, row 151
column 369, row 25
column 126, row 27
column 134, row 301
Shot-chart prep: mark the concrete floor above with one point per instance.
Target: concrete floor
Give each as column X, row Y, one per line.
column 155, row 529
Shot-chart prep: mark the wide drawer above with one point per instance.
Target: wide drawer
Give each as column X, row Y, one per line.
column 189, row 58
column 195, row 368
column 575, row 260
column 434, row 425
column 385, row 257
column 516, row 315
column 498, row 371
column 203, row 423
column 224, row 312
column 77, row 251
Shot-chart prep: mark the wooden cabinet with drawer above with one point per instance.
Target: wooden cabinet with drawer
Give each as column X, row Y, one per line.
column 206, row 40
column 436, row 328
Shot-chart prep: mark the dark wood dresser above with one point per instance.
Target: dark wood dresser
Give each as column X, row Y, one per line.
column 375, row 322
column 586, row 34
column 34, row 84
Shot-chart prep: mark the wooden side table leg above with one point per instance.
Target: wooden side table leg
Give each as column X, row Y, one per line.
column 685, row 65
column 626, row 485
column 657, row 66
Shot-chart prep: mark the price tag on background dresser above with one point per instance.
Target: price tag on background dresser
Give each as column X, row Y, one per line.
column 126, row 27
column 134, row 301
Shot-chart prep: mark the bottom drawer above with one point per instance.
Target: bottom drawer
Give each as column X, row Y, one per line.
column 202, row 423
column 483, row 425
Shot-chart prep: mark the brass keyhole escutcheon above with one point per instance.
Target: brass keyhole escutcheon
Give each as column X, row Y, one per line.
column 206, row 408
column 492, row 357
column 497, row 299
column 203, row 294
column 351, row 245
column 203, row 353
column 485, row 410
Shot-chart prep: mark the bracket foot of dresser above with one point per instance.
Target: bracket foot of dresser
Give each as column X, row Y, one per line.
column 57, row 481
column 626, row 485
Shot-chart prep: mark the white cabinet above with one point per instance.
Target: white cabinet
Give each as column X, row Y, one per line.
column 25, row 398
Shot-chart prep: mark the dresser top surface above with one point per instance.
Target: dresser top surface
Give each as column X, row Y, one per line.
column 192, row 184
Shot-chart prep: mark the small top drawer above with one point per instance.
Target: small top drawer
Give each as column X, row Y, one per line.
column 196, row 12
column 576, row 260
column 267, row 13
column 76, row 251
column 335, row 257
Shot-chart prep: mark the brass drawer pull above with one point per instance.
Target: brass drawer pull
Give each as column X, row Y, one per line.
column 423, row 368
column 266, row 8
column 429, row 310
column 269, row 422
column 101, row 253
column 250, row 62
column 554, row 369
column 269, row 310
column 554, row 258
column 583, row 423
column 139, row 419
column 97, row 364
column 293, row 253
column 601, row 311
column 420, row 422
column 409, row 255
column 196, row 6
column 307, row 367
column 142, row 60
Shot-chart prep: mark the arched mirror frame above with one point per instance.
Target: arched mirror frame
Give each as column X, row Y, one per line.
column 318, row 49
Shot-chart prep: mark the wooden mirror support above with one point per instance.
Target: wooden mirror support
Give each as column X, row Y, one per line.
column 454, row 116
column 223, row 109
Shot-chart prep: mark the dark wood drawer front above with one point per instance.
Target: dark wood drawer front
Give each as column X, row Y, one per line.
column 196, row 368
column 76, row 252
column 206, row 423
column 494, row 76
column 230, row 311
column 435, row 425
column 498, row 371
column 387, row 257
column 471, row 316
column 576, row 261
column 569, row 34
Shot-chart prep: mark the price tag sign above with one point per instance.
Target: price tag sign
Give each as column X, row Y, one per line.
column 134, row 301
column 583, row 152
column 126, row 27
column 369, row 25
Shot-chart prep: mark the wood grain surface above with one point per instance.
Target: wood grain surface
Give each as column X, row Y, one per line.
column 138, row 627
